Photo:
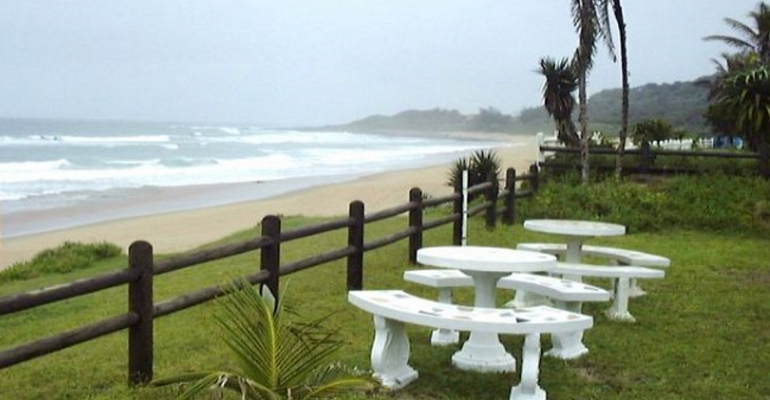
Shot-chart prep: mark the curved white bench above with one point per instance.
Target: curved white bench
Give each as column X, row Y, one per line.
column 622, row 256
column 555, row 288
column 392, row 309
column 617, row 255
column 566, row 295
column 621, row 276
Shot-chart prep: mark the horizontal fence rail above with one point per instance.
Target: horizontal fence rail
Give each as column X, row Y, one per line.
column 138, row 277
column 646, row 159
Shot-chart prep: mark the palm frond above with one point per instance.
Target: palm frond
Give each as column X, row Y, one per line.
column 731, row 41
column 277, row 360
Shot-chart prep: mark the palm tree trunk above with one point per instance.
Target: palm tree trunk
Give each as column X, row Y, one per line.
column 618, row 10
column 584, row 135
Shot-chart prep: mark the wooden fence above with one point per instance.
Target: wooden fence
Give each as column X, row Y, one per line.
column 142, row 310
column 645, row 157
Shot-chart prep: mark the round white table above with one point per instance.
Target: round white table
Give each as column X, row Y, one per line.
column 569, row 344
column 574, row 232
column 486, row 265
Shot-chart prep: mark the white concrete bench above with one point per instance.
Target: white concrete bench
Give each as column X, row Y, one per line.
column 392, row 309
column 621, row 256
column 616, row 255
column 566, row 295
column 621, row 276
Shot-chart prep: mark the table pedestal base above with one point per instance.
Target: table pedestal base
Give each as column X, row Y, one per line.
column 483, row 352
column 444, row 337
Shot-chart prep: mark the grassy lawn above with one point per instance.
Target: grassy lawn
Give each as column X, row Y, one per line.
column 702, row 332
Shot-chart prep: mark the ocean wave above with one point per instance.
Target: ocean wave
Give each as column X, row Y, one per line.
column 22, row 167
column 81, row 162
column 304, row 138
column 115, row 139
column 48, row 140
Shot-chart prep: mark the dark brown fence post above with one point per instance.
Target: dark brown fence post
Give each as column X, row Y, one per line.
column 457, row 210
column 356, row 240
column 534, row 180
column 415, row 222
column 270, row 257
column 491, row 195
column 509, row 202
column 140, row 340
column 645, row 157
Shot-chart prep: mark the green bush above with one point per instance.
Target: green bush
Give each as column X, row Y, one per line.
column 67, row 257
column 717, row 202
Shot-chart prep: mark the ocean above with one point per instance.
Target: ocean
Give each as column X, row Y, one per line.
column 49, row 164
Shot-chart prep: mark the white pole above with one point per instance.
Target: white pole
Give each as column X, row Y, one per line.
column 464, row 239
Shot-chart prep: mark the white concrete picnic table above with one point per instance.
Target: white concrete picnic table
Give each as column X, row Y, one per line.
column 575, row 232
column 486, row 265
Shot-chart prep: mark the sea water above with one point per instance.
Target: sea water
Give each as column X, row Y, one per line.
column 52, row 163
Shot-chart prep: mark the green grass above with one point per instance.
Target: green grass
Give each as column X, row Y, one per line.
column 702, row 332
column 65, row 258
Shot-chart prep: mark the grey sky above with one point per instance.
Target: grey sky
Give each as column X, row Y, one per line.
column 295, row 62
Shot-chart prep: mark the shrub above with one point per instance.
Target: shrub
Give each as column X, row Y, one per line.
column 67, row 257
column 716, row 202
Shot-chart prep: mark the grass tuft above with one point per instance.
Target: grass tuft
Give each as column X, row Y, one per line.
column 65, row 258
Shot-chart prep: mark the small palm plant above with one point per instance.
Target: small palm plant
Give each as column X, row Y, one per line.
column 482, row 166
column 277, row 360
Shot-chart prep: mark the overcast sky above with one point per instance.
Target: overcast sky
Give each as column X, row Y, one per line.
column 309, row 62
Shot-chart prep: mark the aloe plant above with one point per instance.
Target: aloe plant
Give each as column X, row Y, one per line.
column 276, row 359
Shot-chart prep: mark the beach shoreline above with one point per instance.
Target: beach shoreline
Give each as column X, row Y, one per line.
column 178, row 230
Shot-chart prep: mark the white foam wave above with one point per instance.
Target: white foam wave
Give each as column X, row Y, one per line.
column 26, row 167
column 304, row 138
column 48, row 140
column 114, row 139
column 207, row 155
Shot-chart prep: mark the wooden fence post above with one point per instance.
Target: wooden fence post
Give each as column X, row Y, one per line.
column 457, row 210
column 509, row 202
column 270, row 257
column 491, row 195
column 356, row 240
column 415, row 222
column 534, row 180
column 645, row 157
column 140, row 302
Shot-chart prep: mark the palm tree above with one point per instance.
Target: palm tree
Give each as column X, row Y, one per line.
column 754, row 39
column 746, row 96
column 277, row 360
column 482, row 166
column 740, row 90
column 560, row 84
column 621, row 23
column 719, row 116
column 591, row 20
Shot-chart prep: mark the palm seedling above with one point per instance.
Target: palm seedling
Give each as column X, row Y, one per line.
column 276, row 359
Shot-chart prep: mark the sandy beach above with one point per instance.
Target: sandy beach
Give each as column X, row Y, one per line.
column 184, row 230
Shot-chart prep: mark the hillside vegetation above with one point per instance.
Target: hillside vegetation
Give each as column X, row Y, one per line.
column 681, row 103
